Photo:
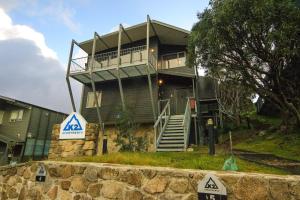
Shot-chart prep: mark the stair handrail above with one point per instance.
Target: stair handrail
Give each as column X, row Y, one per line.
column 161, row 122
column 186, row 123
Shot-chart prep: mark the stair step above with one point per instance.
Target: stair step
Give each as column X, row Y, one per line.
column 172, row 138
column 165, row 149
column 171, row 145
column 172, row 141
column 172, row 128
column 172, row 134
column 173, row 131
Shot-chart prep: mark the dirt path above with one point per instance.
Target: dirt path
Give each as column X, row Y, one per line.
column 291, row 166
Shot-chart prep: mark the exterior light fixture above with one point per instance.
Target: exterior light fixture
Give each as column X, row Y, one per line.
column 152, row 50
column 160, row 82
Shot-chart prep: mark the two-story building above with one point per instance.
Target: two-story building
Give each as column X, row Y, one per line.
column 141, row 68
column 25, row 130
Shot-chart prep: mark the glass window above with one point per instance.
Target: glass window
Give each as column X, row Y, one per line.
column 16, row 115
column 1, row 116
column 90, row 102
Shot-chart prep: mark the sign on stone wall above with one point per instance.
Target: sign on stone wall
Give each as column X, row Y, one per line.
column 210, row 188
column 73, row 127
column 41, row 173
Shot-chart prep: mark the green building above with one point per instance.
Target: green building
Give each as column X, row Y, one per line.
column 25, row 130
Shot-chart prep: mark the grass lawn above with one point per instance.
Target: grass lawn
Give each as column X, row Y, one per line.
column 286, row 146
column 188, row 160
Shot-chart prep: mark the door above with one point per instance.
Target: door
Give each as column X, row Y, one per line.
column 181, row 95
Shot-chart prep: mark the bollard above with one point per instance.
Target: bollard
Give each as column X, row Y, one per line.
column 210, row 127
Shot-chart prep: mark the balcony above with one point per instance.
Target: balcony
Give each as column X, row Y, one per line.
column 172, row 60
column 133, row 62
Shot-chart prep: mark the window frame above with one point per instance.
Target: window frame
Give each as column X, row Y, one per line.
column 90, row 99
column 19, row 115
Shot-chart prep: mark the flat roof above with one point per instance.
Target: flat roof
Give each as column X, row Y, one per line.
column 166, row 33
column 25, row 104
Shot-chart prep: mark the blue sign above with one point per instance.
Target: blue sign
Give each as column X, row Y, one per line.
column 73, row 127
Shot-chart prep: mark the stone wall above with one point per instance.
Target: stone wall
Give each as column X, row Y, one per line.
column 145, row 131
column 104, row 181
column 69, row 148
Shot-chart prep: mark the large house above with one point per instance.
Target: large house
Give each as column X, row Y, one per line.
column 25, row 130
column 141, row 68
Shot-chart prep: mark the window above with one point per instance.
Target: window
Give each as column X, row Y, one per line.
column 90, row 102
column 1, row 116
column 16, row 115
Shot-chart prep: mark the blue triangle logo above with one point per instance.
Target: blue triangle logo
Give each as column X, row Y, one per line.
column 73, row 124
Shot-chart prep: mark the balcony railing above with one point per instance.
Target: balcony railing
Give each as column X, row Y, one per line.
column 172, row 60
column 130, row 56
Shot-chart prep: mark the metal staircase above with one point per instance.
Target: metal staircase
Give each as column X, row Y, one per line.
column 173, row 130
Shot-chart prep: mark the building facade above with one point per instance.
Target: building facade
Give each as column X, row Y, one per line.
column 25, row 130
column 142, row 69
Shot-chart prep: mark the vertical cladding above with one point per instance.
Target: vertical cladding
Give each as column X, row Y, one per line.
column 137, row 99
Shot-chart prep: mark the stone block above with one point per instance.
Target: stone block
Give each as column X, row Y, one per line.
column 94, row 189
column 156, row 185
column 112, row 190
column 179, row 185
column 79, row 184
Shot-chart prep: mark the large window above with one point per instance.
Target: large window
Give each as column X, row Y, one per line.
column 90, row 102
column 1, row 116
column 16, row 115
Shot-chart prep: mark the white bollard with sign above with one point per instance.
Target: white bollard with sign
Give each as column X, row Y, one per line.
column 211, row 188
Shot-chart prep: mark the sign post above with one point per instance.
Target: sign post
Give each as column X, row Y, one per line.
column 211, row 136
column 73, row 127
column 41, row 174
column 211, row 188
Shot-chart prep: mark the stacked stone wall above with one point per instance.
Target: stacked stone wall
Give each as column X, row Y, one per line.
column 70, row 148
column 87, row 181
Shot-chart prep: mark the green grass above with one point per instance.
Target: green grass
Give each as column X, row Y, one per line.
column 186, row 160
column 286, row 146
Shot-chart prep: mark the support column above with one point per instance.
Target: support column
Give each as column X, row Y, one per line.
column 94, row 91
column 148, row 69
column 68, row 76
column 118, row 69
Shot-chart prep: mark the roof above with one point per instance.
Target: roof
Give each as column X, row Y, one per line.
column 25, row 104
column 166, row 33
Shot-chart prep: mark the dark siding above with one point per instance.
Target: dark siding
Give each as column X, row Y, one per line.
column 11, row 129
column 137, row 99
column 206, row 88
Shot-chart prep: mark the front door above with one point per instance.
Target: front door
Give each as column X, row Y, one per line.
column 180, row 98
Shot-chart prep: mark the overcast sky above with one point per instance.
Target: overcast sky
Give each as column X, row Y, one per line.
column 35, row 39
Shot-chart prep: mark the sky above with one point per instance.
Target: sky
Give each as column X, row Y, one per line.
column 35, row 38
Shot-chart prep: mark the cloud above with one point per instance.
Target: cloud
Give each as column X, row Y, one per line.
column 10, row 31
column 58, row 10
column 29, row 69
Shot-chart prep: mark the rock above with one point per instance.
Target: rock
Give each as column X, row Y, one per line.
column 68, row 148
column 109, row 174
column 156, row 185
column 64, row 195
column 179, row 185
column 81, row 197
column 132, row 177
column 27, row 173
column 65, row 184
column 53, row 171
column 133, row 195
column 149, row 173
column 190, row 197
column 94, row 189
column 112, row 190
column 12, row 193
column 89, row 152
column 295, row 189
column 251, row 188
column 12, row 181
column 170, row 196
column 79, row 169
column 88, row 145
column 277, row 188
column 52, row 193
column 90, row 173
column 21, row 170
column 23, row 194
column 12, row 171
column 79, row 184
column 66, row 171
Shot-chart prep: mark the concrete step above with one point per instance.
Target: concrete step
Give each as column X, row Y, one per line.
column 172, row 141
column 171, row 145
column 172, row 134
column 166, row 149
column 174, row 128
column 172, row 138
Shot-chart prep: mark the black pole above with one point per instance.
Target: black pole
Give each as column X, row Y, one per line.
column 210, row 127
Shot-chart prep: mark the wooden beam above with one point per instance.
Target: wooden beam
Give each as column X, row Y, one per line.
column 118, row 68
column 100, row 38
column 148, row 70
column 126, row 33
